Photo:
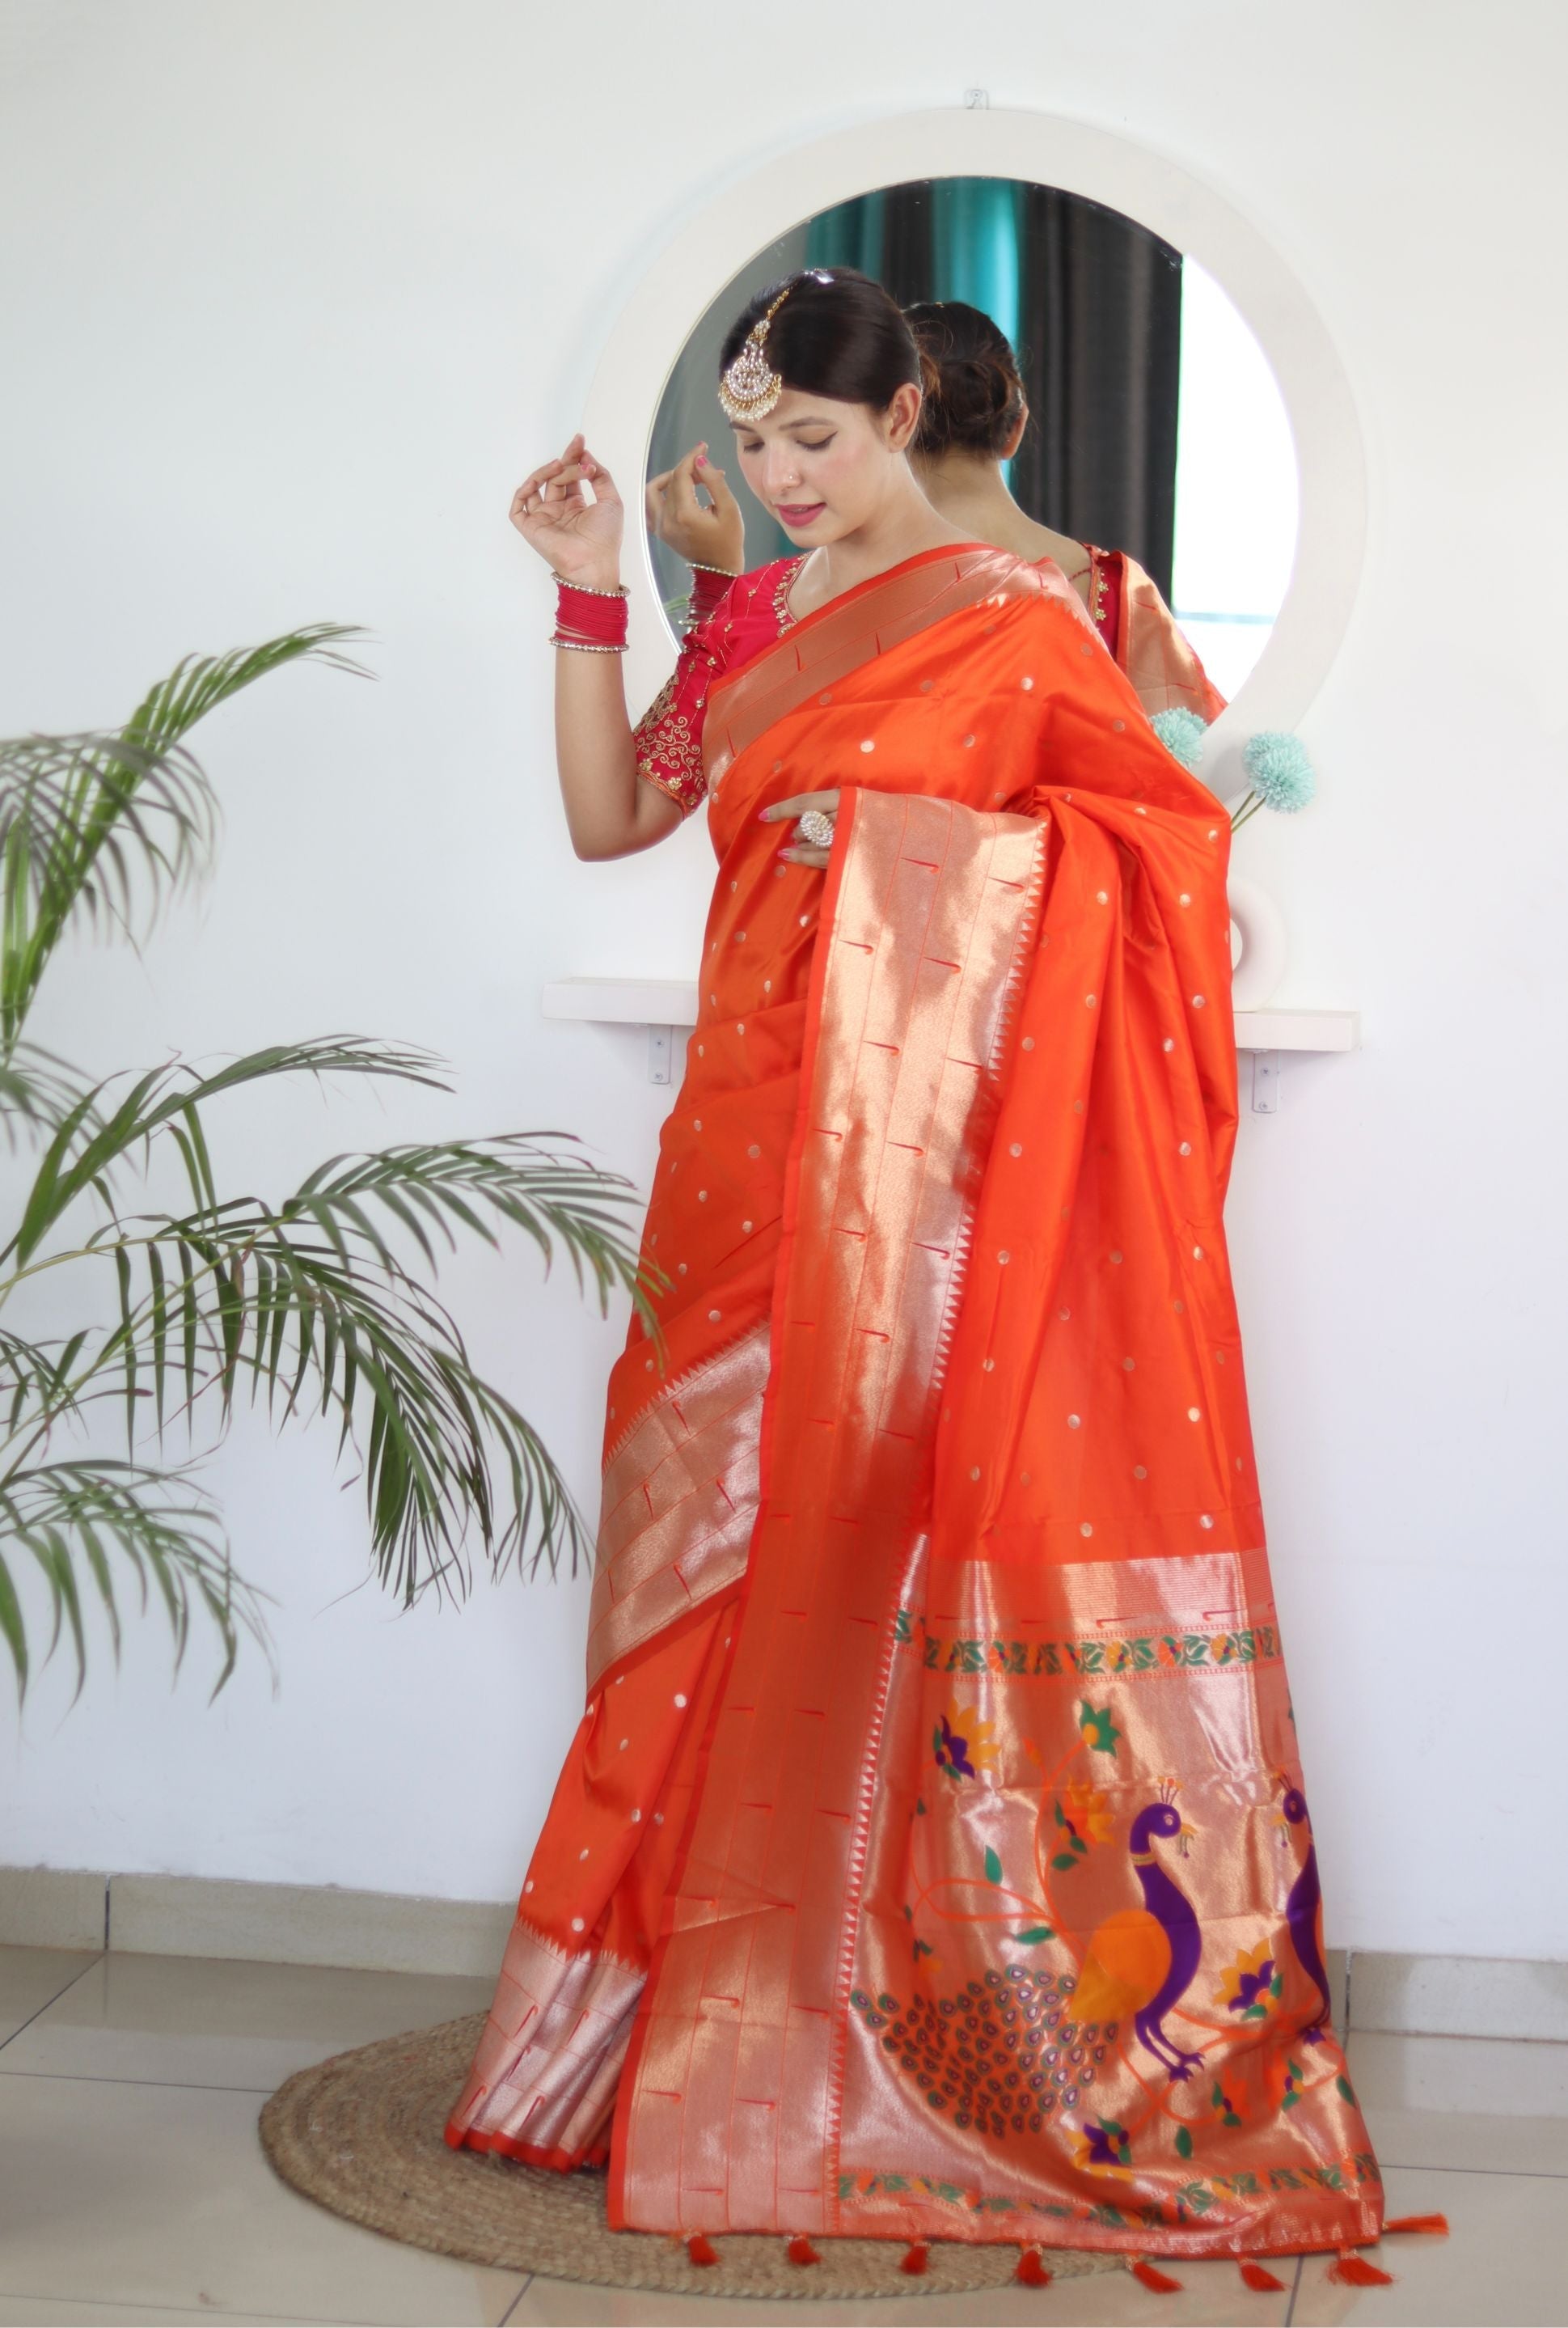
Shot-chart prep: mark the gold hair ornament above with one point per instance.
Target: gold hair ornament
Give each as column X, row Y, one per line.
column 750, row 388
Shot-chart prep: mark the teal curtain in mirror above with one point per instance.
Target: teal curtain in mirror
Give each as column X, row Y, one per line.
column 962, row 234
column 1092, row 303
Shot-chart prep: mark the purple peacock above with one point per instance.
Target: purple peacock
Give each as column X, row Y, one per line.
column 1304, row 1919
column 1142, row 1961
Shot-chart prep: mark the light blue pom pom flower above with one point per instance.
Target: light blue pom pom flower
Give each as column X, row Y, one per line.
column 1279, row 770
column 1182, row 732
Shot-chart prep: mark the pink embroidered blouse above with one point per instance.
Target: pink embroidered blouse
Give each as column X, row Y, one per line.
column 750, row 614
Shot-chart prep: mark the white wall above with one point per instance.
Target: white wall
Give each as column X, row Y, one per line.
column 293, row 291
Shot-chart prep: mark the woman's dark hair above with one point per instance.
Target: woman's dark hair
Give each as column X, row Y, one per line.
column 974, row 396
column 838, row 335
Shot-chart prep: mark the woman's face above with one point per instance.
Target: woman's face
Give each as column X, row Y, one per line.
column 824, row 469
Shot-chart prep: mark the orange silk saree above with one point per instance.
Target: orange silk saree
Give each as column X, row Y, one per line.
column 932, row 1860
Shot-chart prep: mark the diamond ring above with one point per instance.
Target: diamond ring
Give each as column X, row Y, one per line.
column 815, row 828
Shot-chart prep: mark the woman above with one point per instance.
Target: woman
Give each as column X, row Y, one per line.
column 931, row 1860
column 971, row 422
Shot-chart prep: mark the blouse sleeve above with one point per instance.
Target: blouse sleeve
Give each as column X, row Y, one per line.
column 668, row 737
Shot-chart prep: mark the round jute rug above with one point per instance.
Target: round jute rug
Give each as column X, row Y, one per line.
column 361, row 2134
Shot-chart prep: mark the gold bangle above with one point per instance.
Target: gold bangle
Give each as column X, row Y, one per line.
column 699, row 568
column 584, row 646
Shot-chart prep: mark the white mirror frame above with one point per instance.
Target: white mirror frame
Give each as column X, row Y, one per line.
column 747, row 213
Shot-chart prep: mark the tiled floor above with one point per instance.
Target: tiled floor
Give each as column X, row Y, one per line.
column 132, row 2190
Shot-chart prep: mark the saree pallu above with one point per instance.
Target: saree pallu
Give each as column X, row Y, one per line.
column 932, row 1860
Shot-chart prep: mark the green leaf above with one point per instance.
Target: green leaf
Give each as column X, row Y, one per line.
column 1346, row 2092
column 1034, row 1936
column 11, row 1626
column 1099, row 1731
column 992, row 1867
column 1183, row 2142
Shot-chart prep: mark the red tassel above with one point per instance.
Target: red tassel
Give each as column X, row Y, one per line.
column 1257, row 2277
column 1160, row 2281
column 1031, row 2270
column 1436, row 2224
column 915, row 2257
column 700, row 2248
column 1351, row 2271
column 800, row 2249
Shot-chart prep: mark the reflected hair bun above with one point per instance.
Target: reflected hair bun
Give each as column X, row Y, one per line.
column 974, row 396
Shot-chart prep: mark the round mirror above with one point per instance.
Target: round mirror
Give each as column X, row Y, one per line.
column 1156, row 427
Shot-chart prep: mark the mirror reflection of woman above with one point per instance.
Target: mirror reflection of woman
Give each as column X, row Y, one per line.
column 932, row 1848
column 973, row 419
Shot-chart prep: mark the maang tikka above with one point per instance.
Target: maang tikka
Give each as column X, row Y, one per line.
column 750, row 388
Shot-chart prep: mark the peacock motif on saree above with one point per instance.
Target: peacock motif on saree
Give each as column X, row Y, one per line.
column 1142, row 1961
column 1304, row 1917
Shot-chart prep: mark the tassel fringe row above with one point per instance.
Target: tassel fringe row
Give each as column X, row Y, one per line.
column 1349, row 2270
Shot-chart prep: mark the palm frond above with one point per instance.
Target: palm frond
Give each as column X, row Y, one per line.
column 514, row 1178
column 89, row 821
column 37, row 1092
column 237, row 1294
column 89, row 1513
column 98, row 1130
column 38, row 1380
column 315, row 1306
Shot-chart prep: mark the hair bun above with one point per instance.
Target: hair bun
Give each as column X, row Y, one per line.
column 976, row 399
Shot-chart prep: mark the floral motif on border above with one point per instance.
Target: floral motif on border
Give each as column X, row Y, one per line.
column 1137, row 1653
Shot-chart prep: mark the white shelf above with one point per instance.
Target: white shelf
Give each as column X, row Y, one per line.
column 673, row 1002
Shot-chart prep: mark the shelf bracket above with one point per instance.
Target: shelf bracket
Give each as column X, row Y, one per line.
column 1266, row 1082
column 660, row 1054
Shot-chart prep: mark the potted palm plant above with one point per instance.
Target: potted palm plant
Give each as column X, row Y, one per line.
column 323, row 1301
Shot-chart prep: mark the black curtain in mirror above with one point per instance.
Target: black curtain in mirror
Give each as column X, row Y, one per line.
column 1097, row 321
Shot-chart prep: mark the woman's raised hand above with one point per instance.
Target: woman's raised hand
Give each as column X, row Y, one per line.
column 711, row 533
column 579, row 537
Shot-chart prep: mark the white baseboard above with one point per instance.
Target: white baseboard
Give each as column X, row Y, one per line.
column 390, row 1931
column 260, row 1923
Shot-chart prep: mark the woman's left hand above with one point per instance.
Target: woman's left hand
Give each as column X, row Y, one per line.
column 711, row 533
column 801, row 852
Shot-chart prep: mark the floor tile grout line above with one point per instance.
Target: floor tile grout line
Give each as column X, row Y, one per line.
column 49, row 2001
column 161, row 2310
column 163, row 2085
column 517, row 2299
column 1295, row 2291
column 1461, row 2036
column 1508, row 2174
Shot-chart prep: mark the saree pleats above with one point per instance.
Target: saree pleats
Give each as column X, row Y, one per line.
column 933, row 1607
